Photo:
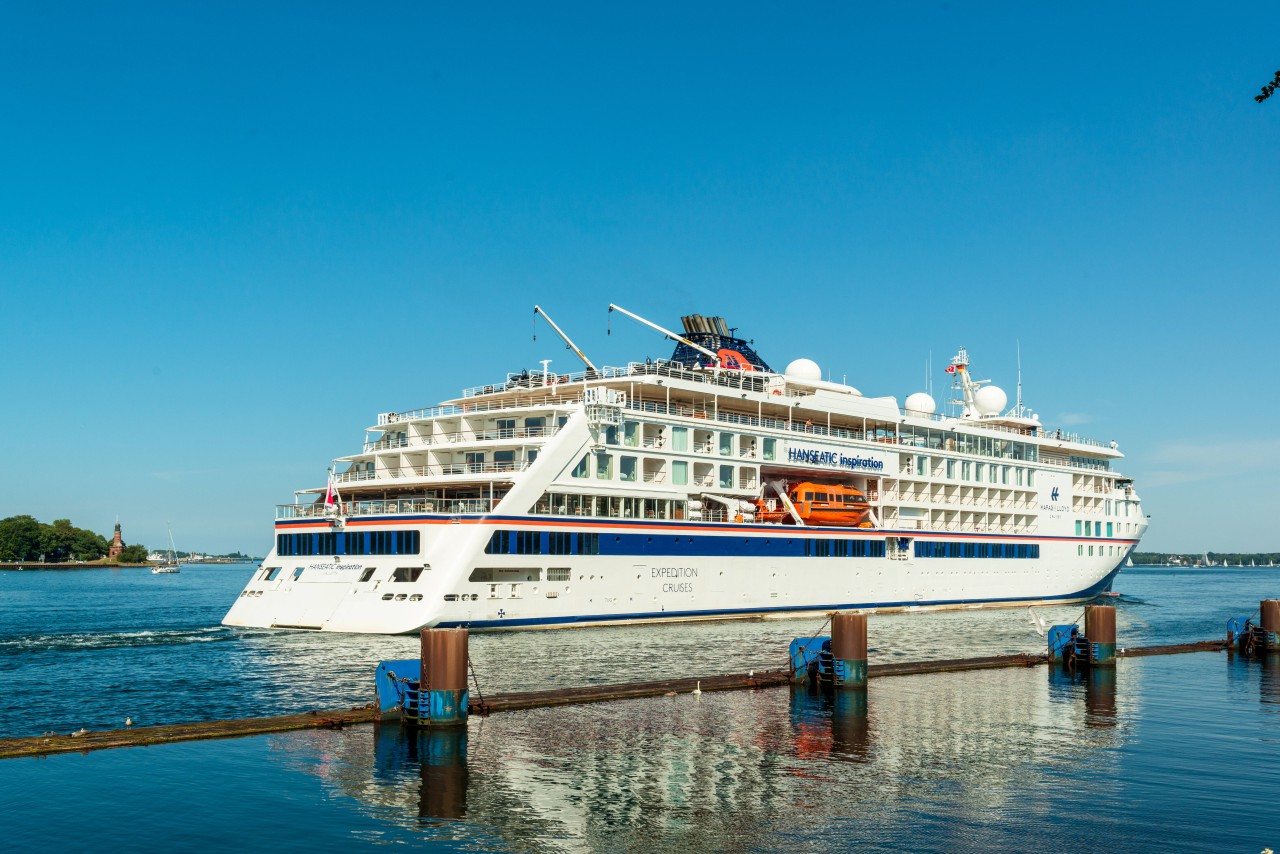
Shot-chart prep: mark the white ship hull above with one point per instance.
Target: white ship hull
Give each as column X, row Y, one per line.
column 681, row 585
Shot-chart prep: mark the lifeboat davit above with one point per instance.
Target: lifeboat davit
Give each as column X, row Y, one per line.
column 831, row 505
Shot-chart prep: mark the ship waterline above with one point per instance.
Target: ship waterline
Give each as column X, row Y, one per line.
column 640, row 493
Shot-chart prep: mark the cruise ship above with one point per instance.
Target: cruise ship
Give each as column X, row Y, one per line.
column 703, row 486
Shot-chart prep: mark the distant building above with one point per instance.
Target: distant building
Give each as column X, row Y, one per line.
column 117, row 544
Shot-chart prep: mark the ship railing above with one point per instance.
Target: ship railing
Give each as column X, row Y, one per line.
column 464, row 436
column 319, row 510
column 549, row 401
column 443, row 470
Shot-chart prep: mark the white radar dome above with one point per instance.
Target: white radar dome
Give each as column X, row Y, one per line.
column 990, row 400
column 920, row 404
column 805, row 370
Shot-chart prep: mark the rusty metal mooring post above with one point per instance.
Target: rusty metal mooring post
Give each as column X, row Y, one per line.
column 442, row 697
column 849, row 649
column 1100, row 630
column 1270, row 620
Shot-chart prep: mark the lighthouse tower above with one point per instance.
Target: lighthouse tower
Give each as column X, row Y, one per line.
column 117, row 544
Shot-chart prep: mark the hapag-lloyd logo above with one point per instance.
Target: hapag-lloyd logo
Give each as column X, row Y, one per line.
column 1053, row 496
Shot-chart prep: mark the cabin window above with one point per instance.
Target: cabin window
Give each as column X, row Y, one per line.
column 631, row 434
column 406, row 573
column 977, row 472
column 604, row 466
column 506, row 428
column 680, row 473
column 808, row 496
column 951, row 469
column 922, row 466
column 530, row 455
column 627, row 468
column 271, row 573
column 1019, row 476
column 1090, row 551
column 1079, row 524
column 1031, row 477
column 611, row 435
column 504, row 460
column 726, row 444
column 726, row 477
column 770, row 449
column 534, row 425
column 966, row 469
column 581, row 469
column 475, row 461
column 297, row 573
column 367, row 575
column 679, row 438
column 819, row 496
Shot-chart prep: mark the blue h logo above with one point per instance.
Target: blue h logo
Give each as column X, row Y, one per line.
column 1053, row 496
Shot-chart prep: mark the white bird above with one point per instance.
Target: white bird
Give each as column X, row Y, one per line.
column 1037, row 622
column 750, row 673
column 697, row 689
column 80, row 733
column 128, row 722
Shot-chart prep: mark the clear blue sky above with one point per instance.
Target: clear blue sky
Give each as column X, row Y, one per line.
column 230, row 236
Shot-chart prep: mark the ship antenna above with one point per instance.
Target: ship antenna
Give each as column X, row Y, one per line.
column 1017, row 410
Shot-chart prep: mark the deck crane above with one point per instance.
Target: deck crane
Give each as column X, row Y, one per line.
column 537, row 309
column 714, row 357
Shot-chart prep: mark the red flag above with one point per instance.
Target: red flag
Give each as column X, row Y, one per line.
column 331, row 493
column 951, row 369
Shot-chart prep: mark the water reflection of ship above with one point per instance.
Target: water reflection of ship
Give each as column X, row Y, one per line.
column 637, row 775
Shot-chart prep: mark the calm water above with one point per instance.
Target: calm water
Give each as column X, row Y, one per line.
column 1175, row 753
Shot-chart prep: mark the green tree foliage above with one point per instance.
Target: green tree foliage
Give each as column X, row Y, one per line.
column 133, row 554
column 23, row 538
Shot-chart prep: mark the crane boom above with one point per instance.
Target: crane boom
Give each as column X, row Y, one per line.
column 715, row 358
column 574, row 347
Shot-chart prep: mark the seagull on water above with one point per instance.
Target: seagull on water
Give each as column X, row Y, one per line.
column 128, row 722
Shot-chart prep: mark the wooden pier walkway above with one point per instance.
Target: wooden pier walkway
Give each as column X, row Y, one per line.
column 167, row 734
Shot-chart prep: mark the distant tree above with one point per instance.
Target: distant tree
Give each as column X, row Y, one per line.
column 19, row 538
column 1269, row 89
column 133, row 554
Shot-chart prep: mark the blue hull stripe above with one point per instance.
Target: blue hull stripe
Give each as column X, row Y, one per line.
column 1087, row 593
column 709, row 528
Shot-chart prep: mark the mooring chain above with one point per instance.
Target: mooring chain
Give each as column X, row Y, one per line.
column 484, row 709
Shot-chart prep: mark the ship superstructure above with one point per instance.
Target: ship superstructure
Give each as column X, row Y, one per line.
column 704, row 486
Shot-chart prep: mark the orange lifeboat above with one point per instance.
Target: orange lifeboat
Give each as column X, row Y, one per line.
column 830, row 505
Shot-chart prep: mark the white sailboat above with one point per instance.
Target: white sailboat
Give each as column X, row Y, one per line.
column 170, row 563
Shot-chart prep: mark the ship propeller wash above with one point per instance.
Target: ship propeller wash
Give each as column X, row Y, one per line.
column 703, row 486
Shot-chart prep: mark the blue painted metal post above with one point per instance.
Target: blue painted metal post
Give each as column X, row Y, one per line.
column 443, row 690
column 849, row 649
column 1270, row 619
column 1061, row 637
column 1100, row 629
